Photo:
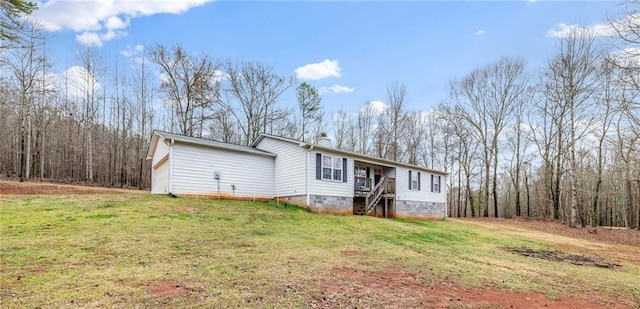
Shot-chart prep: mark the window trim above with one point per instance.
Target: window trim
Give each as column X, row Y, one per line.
column 414, row 176
column 414, row 181
column 436, row 180
column 333, row 169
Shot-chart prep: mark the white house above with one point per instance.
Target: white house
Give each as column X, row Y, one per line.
column 316, row 176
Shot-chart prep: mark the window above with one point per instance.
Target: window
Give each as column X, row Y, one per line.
column 337, row 168
column 331, row 168
column 414, row 180
column 360, row 172
column 435, row 183
column 326, row 167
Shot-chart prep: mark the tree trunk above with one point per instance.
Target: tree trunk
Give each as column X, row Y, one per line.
column 42, row 154
column 27, row 173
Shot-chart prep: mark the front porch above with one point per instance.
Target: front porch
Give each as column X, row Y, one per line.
column 374, row 190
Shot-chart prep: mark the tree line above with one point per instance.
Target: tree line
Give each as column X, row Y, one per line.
column 561, row 141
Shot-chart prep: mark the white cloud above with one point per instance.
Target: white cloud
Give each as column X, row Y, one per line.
column 219, row 76
column 319, row 70
column 133, row 52
column 103, row 19
column 114, row 22
column 96, row 39
column 378, row 107
column 163, row 77
column 597, row 30
column 89, row 39
column 76, row 82
column 480, row 32
column 337, row 89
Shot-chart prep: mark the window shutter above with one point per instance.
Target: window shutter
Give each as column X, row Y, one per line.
column 368, row 172
column 318, row 166
column 344, row 169
column 409, row 180
column 431, row 182
column 418, row 181
column 439, row 184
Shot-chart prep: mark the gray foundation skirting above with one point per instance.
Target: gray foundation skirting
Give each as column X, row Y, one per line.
column 420, row 209
column 332, row 204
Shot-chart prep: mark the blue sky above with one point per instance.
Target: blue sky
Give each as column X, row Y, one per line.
column 358, row 47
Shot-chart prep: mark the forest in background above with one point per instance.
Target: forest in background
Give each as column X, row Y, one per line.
column 561, row 141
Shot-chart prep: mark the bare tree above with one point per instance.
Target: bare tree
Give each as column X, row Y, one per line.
column 144, row 110
column 571, row 81
column 341, row 128
column 485, row 99
column 365, row 128
column 415, row 124
column 466, row 153
column 606, row 97
column 544, row 135
column 517, row 145
column 27, row 67
column 251, row 94
column 190, row 85
column 392, row 121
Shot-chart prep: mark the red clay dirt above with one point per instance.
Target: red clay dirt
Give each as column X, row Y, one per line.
column 396, row 289
column 167, row 288
column 9, row 187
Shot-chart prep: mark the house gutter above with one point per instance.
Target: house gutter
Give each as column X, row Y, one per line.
column 307, row 174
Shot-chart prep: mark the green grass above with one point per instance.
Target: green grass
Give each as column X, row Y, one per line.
column 108, row 250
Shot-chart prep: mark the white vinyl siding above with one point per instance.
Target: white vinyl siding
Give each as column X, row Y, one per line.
column 424, row 195
column 330, row 187
column 162, row 150
column 160, row 176
column 193, row 172
column 289, row 168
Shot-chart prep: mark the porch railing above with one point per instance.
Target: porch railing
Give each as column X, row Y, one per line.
column 372, row 199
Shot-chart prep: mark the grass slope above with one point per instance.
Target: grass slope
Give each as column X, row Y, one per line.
column 110, row 250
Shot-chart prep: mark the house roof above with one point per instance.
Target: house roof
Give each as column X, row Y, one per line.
column 202, row 142
column 351, row 154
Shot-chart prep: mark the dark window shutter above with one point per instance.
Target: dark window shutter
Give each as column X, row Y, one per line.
column 318, row 166
column 368, row 172
column 439, row 184
column 431, row 183
column 344, row 169
column 418, row 181
column 409, row 180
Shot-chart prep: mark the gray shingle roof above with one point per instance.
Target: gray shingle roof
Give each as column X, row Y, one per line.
column 351, row 154
column 213, row 144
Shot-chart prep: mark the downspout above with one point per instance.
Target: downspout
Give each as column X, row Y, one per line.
column 171, row 166
column 307, row 175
